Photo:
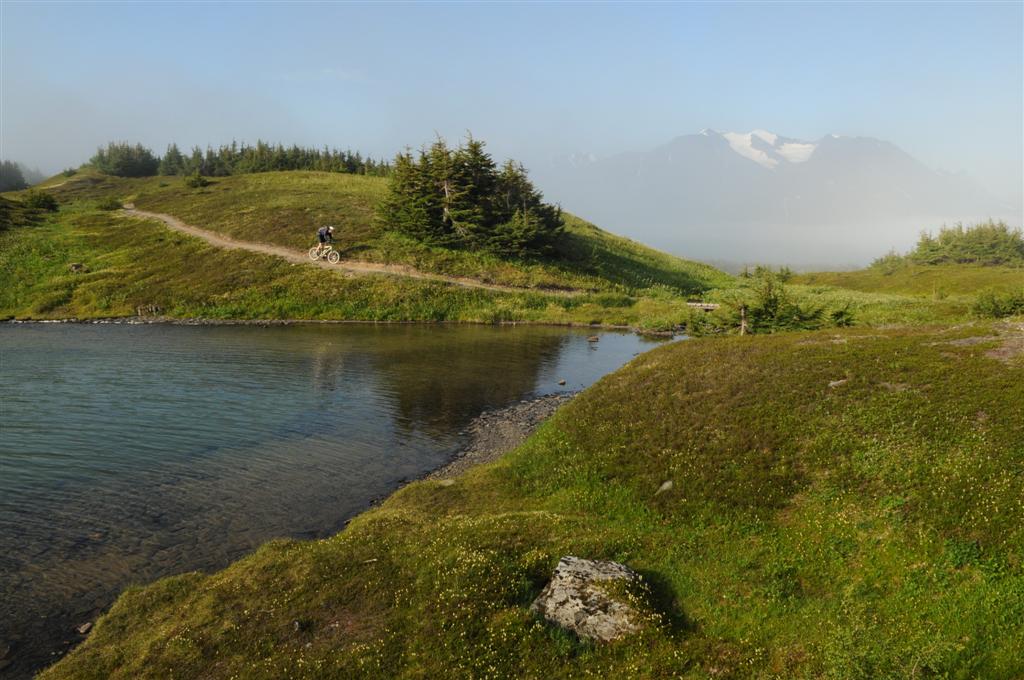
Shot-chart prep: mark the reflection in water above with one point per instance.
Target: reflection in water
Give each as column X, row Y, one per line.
column 133, row 452
column 474, row 369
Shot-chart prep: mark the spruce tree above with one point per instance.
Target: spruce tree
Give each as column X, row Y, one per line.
column 173, row 163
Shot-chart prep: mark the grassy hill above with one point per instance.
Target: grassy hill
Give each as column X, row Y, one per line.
column 956, row 265
column 133, row 264
column 844, row 504
column 285, row 208
column 937, row 281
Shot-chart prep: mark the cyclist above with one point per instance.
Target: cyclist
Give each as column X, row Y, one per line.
column 326, row 235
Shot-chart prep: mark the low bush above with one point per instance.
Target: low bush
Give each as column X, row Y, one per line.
column 997, row 305
column 109, row 203
column 196, row 181
column 40, row 200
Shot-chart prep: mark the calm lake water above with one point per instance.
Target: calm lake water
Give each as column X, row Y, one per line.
column 128, row 453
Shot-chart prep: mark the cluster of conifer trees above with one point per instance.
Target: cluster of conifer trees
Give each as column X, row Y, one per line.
column 461, row 198
column 11, row 177
column 987, row 243
column 134, row 160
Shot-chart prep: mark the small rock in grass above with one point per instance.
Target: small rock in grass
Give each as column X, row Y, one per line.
column 836, row 383
column 446, row 482
column 84, row 628
column 665, row 486
column 576, row 599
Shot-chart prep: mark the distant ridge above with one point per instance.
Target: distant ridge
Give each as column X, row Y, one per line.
column 762, row 196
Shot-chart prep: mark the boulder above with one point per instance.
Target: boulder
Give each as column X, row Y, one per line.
column 580, row 598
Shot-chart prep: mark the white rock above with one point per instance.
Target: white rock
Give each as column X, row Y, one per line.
column 576, row 599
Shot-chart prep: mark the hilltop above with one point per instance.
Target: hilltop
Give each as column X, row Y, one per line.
column 843, row 504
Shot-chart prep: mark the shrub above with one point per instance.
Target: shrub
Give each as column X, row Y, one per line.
column 841, row 317
column 69, row 172
column 196, row 181
column 773, row 309
column 999, row 305
column 109, row 203
column 40, row 200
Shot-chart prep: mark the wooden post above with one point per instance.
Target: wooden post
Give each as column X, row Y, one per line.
column 743, row 319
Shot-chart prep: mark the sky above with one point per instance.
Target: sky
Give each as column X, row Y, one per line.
column 944, row 81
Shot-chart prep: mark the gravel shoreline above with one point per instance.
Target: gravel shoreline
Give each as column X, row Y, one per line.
column 492, row 434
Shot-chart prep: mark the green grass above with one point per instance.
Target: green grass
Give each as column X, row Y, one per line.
column 935, row 281
column 139, row 267
column 286, row 208
column 16, row 214
column 865, row 529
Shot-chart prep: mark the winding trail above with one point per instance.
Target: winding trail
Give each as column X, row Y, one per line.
column 349, row 267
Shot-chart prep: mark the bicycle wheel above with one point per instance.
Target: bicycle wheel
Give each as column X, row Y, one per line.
column 333, row 257
column 314, row 253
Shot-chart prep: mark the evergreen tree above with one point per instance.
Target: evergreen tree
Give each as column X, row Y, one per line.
column 474, row 181
column 406, row 208
column 173, row 163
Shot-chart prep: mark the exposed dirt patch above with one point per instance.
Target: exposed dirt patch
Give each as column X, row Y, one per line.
column 1009, row 349
column 969, row 342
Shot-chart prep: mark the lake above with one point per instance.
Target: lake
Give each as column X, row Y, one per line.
column 131, row 452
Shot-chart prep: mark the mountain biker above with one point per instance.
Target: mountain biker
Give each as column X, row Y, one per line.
column 326, row 235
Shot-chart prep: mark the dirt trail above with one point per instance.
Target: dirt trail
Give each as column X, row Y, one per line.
column 351, row 267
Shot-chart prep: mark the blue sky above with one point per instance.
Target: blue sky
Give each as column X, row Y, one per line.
column 943, row 81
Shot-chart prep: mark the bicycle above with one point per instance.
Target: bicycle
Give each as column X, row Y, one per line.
column 324, row 251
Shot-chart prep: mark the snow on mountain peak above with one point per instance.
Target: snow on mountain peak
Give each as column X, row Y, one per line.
column 743, row 144
column 751, row 145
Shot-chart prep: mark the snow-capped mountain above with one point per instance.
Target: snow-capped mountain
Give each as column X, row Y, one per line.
column 760, row 196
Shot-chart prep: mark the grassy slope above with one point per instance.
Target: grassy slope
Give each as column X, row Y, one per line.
column 137, row 266
column 285, row 208
column 14, row 214
column 867, row 529
column 632, row 284
column 938, row 281
column 907, row 294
